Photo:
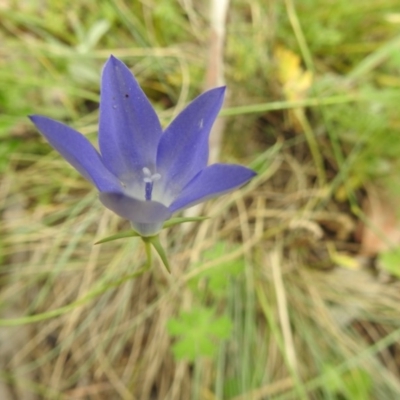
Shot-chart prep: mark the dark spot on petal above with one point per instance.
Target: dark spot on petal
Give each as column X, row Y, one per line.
column 126, row 95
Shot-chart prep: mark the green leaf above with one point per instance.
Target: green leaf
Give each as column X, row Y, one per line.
column 333, row 380
column 219, row 276
column 390, row 261
column 95, row 33
column 358, row 385
column 222, row 329
column 198, row 332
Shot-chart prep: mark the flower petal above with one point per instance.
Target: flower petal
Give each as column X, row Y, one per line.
column 129, row 129
column 213, row 181
column 78, row 151
column 183, row 148
column 139, row 211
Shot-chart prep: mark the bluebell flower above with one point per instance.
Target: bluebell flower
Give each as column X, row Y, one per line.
column 142, row 173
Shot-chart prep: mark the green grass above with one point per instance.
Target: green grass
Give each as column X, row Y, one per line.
column 262, row 301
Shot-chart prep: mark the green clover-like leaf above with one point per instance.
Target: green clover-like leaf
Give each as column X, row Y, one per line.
column 198, row 332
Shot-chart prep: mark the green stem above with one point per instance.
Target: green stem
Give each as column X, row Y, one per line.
column 313, row 146
column 147, row 247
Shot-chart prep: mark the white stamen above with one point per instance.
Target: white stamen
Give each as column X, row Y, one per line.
column 155, row 177
column 148, row 177
column 147, row 172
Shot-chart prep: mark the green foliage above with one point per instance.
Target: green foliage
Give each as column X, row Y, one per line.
column 198, row 331
column 51, row 63
column 218, row 277
column 337, row 30
column 6, row 149
column 169, row 21
column 369, row 137
column 356, row 384
column 390, row 261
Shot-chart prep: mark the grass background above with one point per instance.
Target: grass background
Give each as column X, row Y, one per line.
column 277, row 295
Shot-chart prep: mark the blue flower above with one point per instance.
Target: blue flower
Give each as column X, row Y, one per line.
column 142, row 173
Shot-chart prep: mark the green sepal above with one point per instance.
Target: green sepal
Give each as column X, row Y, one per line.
column 167, row 224
column 181, row 220
column 120, row 235
column 155, row 241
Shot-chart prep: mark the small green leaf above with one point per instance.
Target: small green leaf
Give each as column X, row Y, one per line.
column 95, row 33
column 222, row 329
column 218, row 277
column 390, row 261
column 333, row 381
column 358, row 384
column 355, row 384
column 198, row 332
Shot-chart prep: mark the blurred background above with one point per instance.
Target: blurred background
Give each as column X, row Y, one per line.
column 290, row 290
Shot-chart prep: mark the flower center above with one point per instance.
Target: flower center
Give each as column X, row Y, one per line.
column 149, row 180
